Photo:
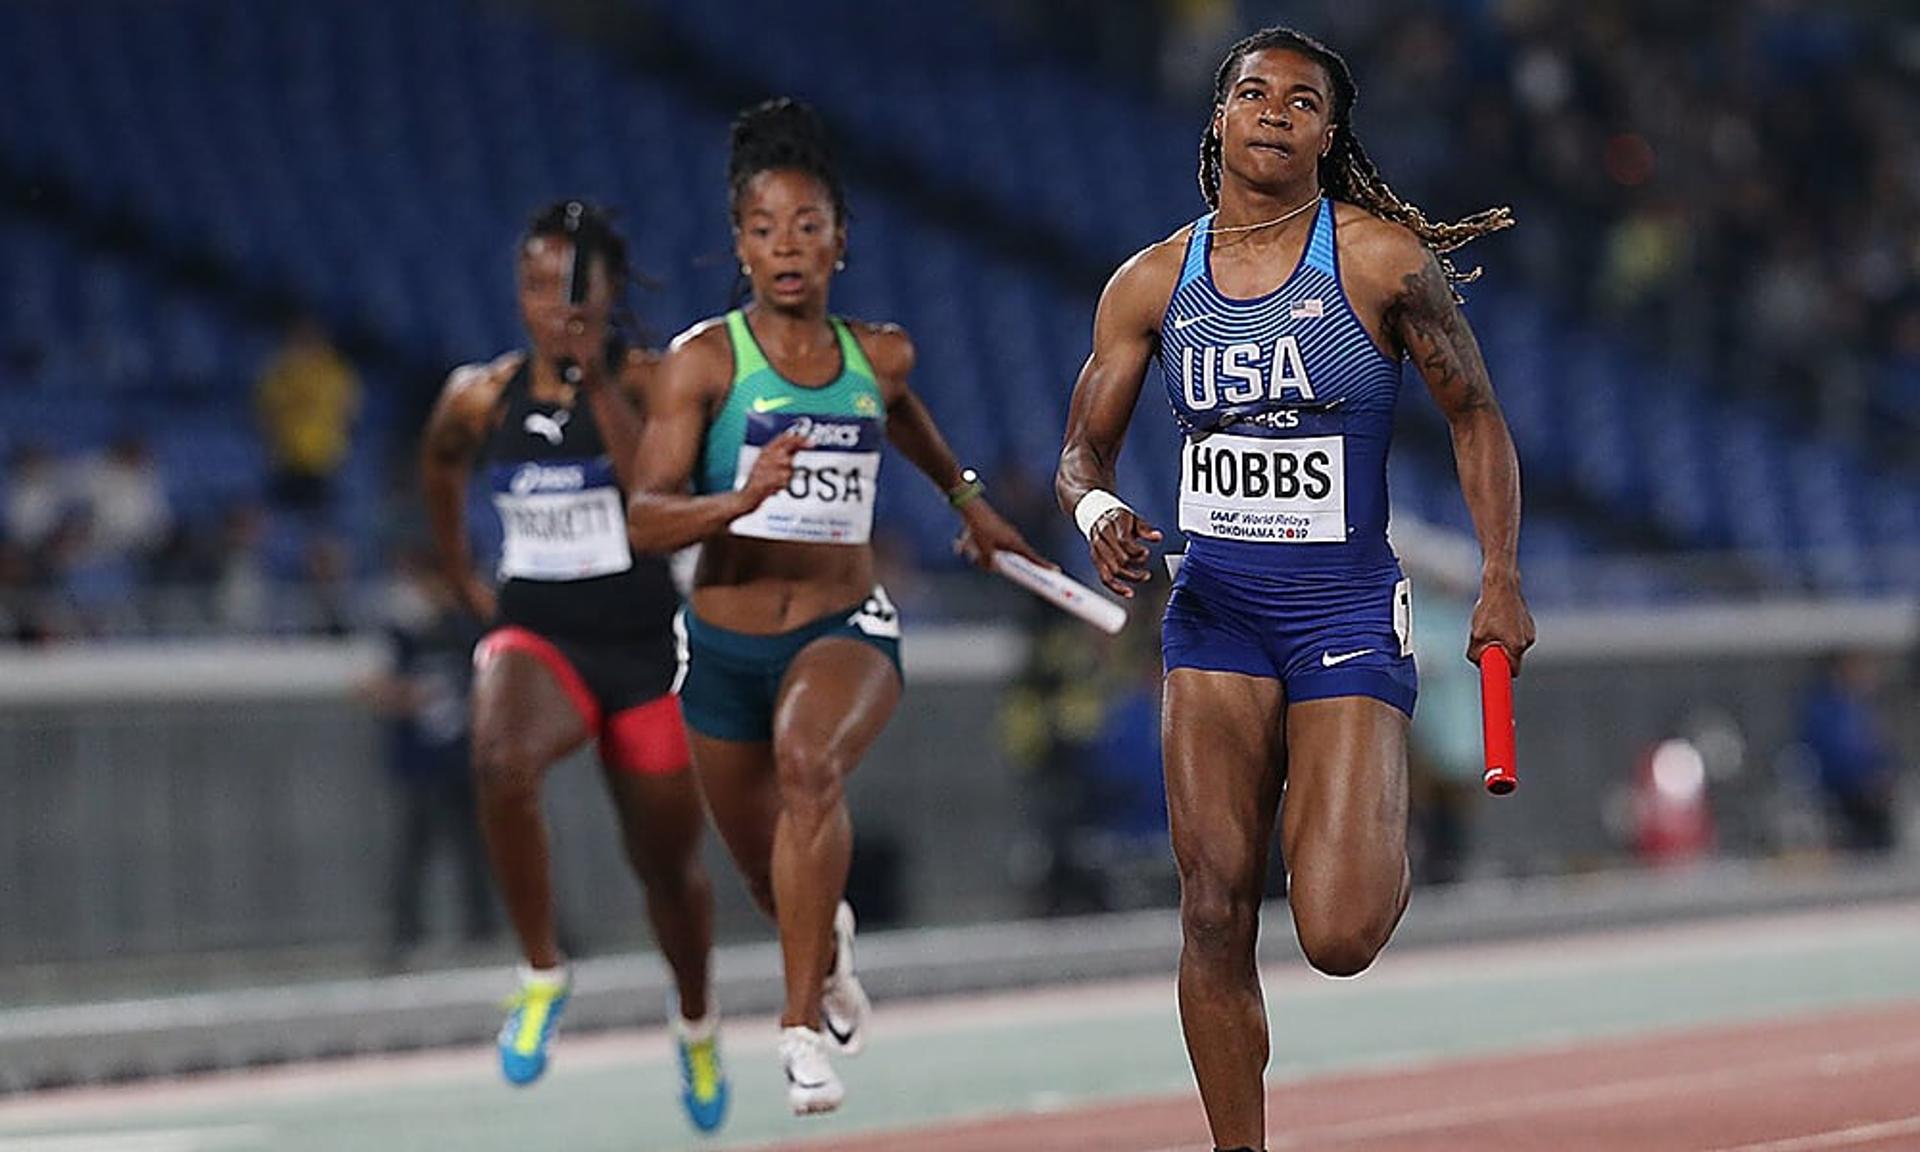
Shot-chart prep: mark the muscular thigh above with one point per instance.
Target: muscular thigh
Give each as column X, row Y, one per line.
column 518, row 704
column 836, row 697
column 662, row 812
column 1344, row 828
column 1221, row 743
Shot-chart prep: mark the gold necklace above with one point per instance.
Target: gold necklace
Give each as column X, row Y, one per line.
column 1280, row 219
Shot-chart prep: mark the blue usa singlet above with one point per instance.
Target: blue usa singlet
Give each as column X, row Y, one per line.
column 1287, row 409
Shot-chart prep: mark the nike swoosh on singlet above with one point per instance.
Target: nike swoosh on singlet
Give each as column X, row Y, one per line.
column 1329, row 660
column 770, row 403
column 1190, row 321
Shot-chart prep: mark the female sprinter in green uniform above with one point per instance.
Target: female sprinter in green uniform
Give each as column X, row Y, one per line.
column 772, row 416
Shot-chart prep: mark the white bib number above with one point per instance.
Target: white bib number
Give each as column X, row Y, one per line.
column 830, row 498
column 1269, row 491
column 563, row 535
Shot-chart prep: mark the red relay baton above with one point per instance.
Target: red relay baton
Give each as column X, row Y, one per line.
column 1496, row 719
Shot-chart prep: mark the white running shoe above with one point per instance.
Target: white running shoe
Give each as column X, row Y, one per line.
column 844, row 1007
column 812, row 1086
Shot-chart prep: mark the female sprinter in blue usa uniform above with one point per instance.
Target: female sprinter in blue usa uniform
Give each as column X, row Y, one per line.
column 765, row 444
column 1280, row 320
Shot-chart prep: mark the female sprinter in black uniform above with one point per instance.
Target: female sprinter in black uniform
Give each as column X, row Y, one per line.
column 764, row 441
column 1280, row 320
column 582, row 646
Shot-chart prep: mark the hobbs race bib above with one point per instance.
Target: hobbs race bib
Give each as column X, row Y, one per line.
column 561, row 520
column 830, row 498
column 1282, row 491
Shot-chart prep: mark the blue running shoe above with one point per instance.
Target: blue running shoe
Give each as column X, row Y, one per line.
column 532, row 1017
column 704, row 1090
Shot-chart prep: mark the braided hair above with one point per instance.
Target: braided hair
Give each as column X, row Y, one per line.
column 782, row 133
column 594, row 236
column 1346, row 172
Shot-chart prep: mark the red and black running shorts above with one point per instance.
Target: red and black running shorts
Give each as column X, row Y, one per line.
column 623, row 691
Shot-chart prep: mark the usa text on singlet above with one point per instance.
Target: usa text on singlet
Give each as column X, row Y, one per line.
column 1287, row 406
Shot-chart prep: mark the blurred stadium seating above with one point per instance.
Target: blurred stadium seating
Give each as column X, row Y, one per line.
column 1705, row 332
column 371, row 163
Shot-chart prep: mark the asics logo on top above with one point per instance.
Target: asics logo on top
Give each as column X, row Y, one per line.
column 770, row 403
column 1189, row 321
column 553, row 428
column 530, row 478
column 829, row 435
column 1329, row 660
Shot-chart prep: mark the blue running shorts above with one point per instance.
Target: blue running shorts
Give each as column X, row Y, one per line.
column 1321, row 634
column 730, row 681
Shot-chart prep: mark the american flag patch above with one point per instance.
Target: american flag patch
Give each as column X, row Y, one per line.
column 1308, row 309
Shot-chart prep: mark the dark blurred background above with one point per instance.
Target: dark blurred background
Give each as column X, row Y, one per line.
column 243, row 241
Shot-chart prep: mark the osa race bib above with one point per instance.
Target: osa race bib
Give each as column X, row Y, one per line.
column 1265, row 490
column 830, row 498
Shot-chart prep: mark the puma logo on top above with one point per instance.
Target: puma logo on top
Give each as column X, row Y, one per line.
column 553, row 428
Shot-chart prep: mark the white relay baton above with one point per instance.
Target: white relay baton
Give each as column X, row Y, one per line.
column 1062, row 591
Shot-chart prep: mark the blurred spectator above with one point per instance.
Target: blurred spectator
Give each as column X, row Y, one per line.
column 1050, row 726
column 1854, row 759
column 1081, row 721
column 93, row 589
column 1124, row 829
column 1670, row 804
column 38, row 496
column 1766, row 236
column 329, row 608
column 242, row 593
column 424, row 699
column 1025, row 498
column 308, row 399
column 122, row 492
column 22, row 616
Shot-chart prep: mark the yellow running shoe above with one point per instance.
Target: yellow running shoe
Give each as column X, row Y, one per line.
column 533, row 1013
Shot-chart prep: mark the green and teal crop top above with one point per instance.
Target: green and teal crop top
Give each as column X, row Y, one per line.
column 831, row 496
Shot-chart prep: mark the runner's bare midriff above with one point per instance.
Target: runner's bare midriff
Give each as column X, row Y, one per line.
column 764, row 587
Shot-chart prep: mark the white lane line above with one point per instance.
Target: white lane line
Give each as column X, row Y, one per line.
column 145, row 1140
column 1837, row 1138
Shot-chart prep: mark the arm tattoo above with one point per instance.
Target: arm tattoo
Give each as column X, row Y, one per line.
column 1436, row 336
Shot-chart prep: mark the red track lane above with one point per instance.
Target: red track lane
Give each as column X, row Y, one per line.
column 1838, row 1081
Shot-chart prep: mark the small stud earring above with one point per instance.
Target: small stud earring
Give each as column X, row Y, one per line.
column 745, row 271
column 839, row 265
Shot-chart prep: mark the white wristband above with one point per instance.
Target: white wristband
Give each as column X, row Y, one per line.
column 1092, row 507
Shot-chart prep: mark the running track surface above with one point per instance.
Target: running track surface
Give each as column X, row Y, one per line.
column 1784, row 1034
